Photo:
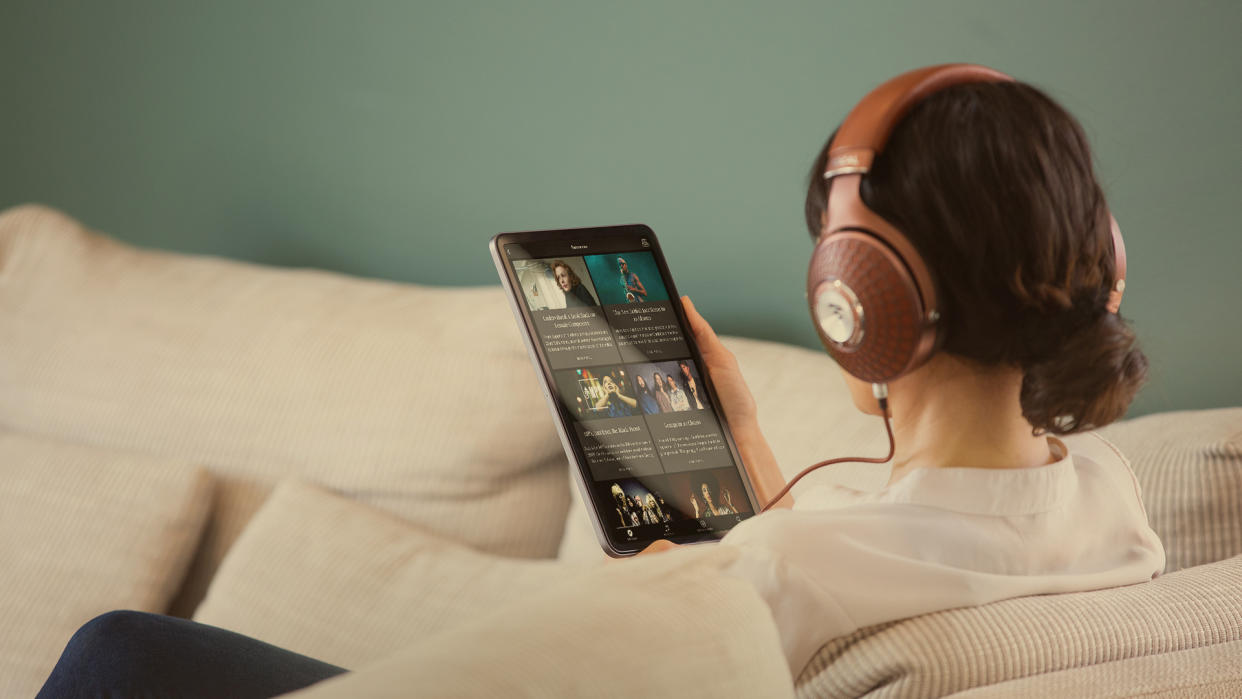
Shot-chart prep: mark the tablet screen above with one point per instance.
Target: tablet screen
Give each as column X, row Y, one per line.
column 630, row 390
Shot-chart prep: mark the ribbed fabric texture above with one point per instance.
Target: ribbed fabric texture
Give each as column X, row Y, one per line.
column 1189, row 465
column 937, row 654
column 418, row 400
column 1210, row 672
column 84, row 531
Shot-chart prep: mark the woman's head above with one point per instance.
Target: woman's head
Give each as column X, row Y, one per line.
column 993, row 184
column 641, row 383
column 608, row 384
column 566, row 278
column 657, row 380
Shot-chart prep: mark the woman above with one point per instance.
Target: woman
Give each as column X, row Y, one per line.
column 616, row 403
column 576, row 294
column 709, row 501
column 992, row 184
column 649, row 515
column 661, row 395
column 657, row 515
column 647, row 401
column 676, row 397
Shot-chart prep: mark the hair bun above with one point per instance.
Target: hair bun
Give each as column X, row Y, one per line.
column 1086, row 382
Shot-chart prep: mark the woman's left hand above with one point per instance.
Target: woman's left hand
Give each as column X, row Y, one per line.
column 658, row 547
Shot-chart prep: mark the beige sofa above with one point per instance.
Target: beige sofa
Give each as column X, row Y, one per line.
column 366, row 472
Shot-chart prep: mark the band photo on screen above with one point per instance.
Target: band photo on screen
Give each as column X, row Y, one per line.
column 636, row 503
column 631, row 277
column 555, row 283
column 595, row 393
column 666, row 387
column 712, row 493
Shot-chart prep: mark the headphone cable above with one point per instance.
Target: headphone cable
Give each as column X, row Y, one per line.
column 882, row 397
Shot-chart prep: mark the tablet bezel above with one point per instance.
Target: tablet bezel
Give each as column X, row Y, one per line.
column 605, row 240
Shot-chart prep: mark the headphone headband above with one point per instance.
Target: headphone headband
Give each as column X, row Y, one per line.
column 866, row 129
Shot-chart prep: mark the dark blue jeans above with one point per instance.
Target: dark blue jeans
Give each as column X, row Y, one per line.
column 136, row 654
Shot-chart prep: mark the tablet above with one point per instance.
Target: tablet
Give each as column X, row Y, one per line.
column 632, row 401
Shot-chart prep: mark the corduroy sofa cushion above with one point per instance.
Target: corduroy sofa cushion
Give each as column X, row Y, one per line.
column 1189, row 465
column 950, row 651
column 1207, row 672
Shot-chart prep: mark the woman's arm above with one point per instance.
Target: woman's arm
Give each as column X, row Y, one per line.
column 632, row 402
column 740, row 409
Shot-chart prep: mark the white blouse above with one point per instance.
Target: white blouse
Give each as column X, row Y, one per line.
column 941, row 538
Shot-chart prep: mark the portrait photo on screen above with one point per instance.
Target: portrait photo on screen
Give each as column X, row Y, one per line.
column 596, row 393
column 668, row 387
column 637, row 502
column 631, row 277
column 709, row 493
column 555, row 283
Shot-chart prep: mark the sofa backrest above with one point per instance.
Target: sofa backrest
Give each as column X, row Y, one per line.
column 418, row 400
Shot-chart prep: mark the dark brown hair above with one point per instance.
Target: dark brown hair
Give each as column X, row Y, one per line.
column 993, row 184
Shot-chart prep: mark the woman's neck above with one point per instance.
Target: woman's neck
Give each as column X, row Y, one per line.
column 952, row 413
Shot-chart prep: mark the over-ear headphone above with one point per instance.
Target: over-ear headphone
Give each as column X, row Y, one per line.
column 872, row 297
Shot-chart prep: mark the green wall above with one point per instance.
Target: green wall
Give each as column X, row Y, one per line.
column 392, row 139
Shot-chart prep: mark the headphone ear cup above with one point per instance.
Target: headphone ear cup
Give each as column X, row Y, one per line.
column 866, row 307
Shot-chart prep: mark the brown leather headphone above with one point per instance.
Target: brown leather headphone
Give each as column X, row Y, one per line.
column 872, row 297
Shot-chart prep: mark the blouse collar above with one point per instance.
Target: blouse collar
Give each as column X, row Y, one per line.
column 984, row 491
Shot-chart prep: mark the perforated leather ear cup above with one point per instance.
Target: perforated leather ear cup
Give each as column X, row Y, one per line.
column 887, row 336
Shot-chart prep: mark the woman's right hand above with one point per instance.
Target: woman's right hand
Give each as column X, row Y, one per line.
column 739, row 407
column 738, row 403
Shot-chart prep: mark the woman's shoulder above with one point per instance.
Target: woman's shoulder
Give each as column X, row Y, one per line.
column 1091, row 452
column 1099, row 459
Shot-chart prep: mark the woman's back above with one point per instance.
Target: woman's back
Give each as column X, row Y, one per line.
column 941, row 538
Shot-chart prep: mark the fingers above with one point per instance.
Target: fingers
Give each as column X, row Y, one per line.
column 661, row 545
column 702, row 330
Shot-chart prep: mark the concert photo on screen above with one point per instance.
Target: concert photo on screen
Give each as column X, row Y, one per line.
column 631, row 277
